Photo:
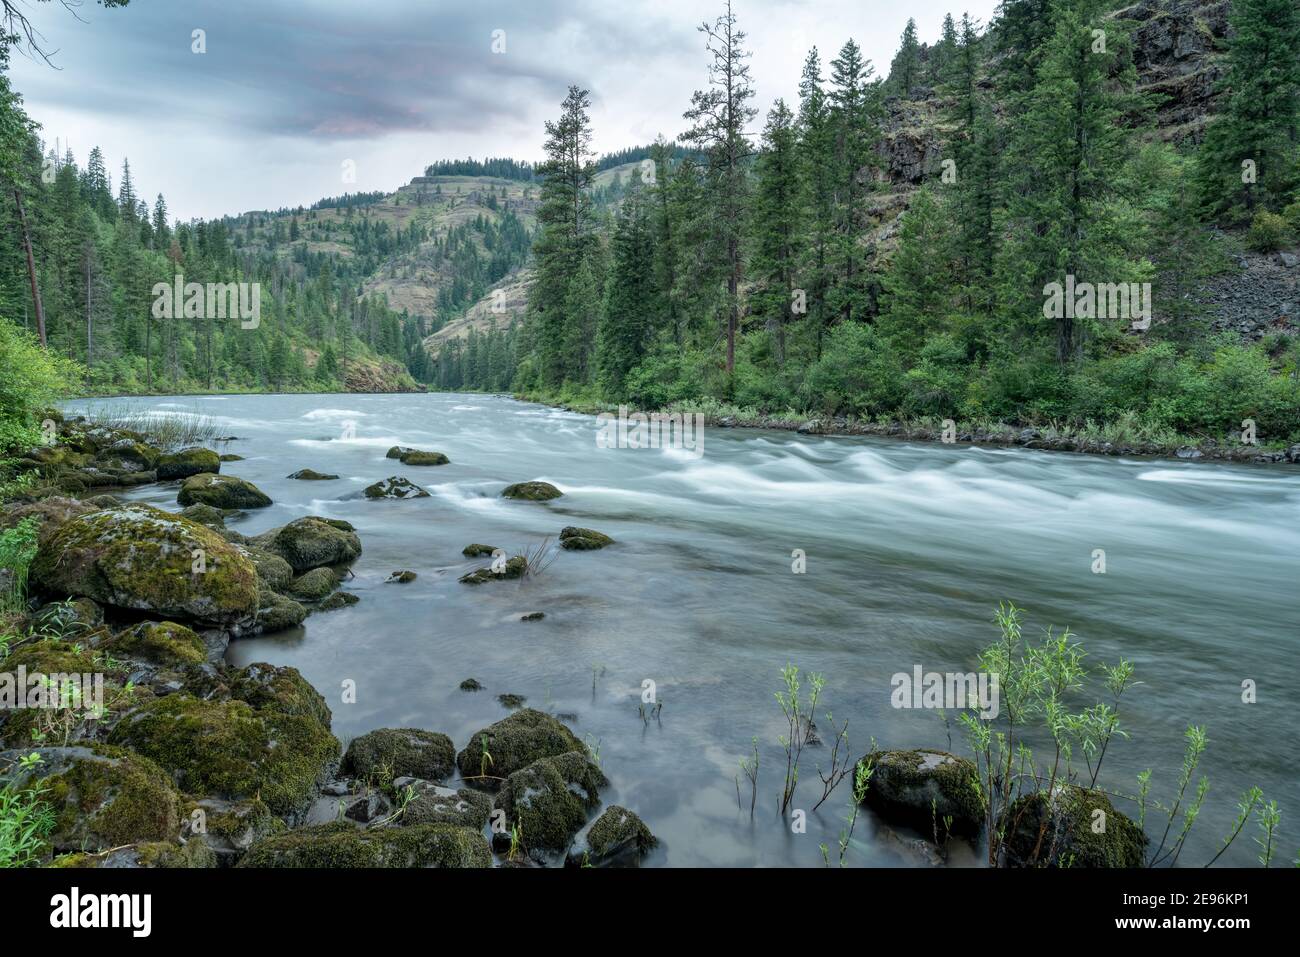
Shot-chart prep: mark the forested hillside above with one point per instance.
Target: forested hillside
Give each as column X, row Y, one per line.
column 774, row 275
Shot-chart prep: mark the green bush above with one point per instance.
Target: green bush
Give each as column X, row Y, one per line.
column 1292, row 216
column 31, row 380
column 857, row 374
column 1268, row 232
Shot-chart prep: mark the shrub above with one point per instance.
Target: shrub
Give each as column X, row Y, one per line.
column 31, row 380
column 857, row 374
column 1268, row 232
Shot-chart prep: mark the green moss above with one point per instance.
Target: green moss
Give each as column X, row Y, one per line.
column 313, row 585
column 187, row 462
column 1078, row 828
column 395, row 486
column 379, row 756
column 923, row 787
column 276, row 612
column 516, row 565
column 310, row 475
column 404, row 577
column 477, row 551
column 418, row 457
column 397, row 451
column 311, row 542
column 221, row 491
column 618, row 833
column 165, row 643
column 439, row 805
column 205, row 515
column 140, row 557
column 272, row 570
column 514, row 743
column 340, row 599
column 229, row 749
column 550, row 799
column 583, row 539
column 341, row 845
column 532, row 491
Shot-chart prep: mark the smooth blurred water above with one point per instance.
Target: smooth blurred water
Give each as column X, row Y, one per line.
column 909, row 549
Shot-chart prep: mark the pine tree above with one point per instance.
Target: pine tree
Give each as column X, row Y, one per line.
column 776, row 221
column 817, row 169
column 905, row 68
column 853, row 119
column 1249, row 158
column 919, row 283
column 719, row 116
column 627, row 325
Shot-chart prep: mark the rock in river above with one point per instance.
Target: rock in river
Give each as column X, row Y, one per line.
column 583, row 539
column 531, row 491
column 221, row 491
column 310, row 542
column 308, row 475
column 921, row 787
column 514, row 743
column 395, row 486
column 187, row 462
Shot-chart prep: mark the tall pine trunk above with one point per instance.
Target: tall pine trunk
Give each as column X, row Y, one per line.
column 31, row 268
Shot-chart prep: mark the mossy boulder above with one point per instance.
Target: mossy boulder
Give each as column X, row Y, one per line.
column 397, row 451
column 379, row 756
column 511, row 701
column 434, row 804
column 531, row 491
column 477, row 551
column 420, row 457
column 187, row 462
column 272, row 570
column 221, row 491
column 207, row 515
column 142, row 558
column 340, row 599
column 583, row 539
column 311, row 542
column 275, row 612
column 515, row 567
column 471, row 684
column 231, row 457
column 313, row 585
column 74, row 618
column 164, row 643
column 49, row 513
column 395, row 486
column 50, row 657
column 1075, row 827
column 277, row 688
column 343, row 845
column 403, row 577
column 310, row 475
column 514, row 743
column 130, row 454
column 551, row 798
column 102, row 797
column 922, row 788
column 229, row 828
column 230, row 749
column 618, row 838
column 150, row 854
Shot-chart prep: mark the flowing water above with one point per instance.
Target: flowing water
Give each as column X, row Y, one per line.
column 909, row 548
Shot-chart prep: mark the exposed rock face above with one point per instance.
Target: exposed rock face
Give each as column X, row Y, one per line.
column 1174, row 49
column 142, row 558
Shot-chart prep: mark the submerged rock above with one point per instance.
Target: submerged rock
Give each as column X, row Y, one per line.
column 395, row 486
column 419, row 457
column 340, row 599
column 221, row 491
column 311, row 542
column 471, row 684
column 399, row 752
column 397, row 451
column 583, row 539
column 1076, row 827
column 342, row 844
column 400, row 578
column 187, row 462
column 923, row 787
column 533, row 616
column 515, row 567
column 531, row 491
column 513, row 743
column 511, row 700
column 142, row 558
column 550, row 799
column 477, row 551
column 308, row 475
column 618, row 838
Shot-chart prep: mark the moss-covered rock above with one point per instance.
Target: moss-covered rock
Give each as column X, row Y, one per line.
column 583, row 539
column 50, row 513
column 531, row 491
column 342, row 845
column 275, row 612
column 102, row 797
column 164, row 643
column 187, row 462
column 618, row 838
column 379, row 756
column 403, row 577
column 130, row 454
column 397, row 451
column 477, row 551
column 229, row 749
column 207, row 515
column 471, row 684
column 511, row 701
column 550, row 799
column 514, row 743
column 434, row 804
column 311, row 542
column 311, row 475
column 229, row 828
column 922, row 788
column 272, row 570
column 166, row 854
column 231, row 457
column 1076, row 827
column 515, row 567
column 142, row 558
column 340, row 599
column 395, row 486
column 76, row 617
column 313, row 585
column 221, row 491
column 52, row 657
column 420, row 457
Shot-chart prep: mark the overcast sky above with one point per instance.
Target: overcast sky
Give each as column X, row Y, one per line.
column 288, row 90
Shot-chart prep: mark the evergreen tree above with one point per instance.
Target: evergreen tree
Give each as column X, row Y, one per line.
column 776, row 219
column 854, row 107
column 905, row 68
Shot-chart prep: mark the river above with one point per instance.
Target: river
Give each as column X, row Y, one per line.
column 909, row 547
